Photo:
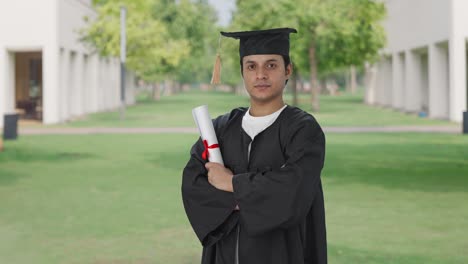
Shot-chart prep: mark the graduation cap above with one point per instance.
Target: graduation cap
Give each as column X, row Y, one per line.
column 269, row 41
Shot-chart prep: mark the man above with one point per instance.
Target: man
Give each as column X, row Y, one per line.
column 265, row 205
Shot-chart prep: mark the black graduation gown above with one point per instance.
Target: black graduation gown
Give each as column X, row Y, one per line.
column 279, row 193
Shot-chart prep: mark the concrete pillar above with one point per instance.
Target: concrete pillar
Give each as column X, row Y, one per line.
column 457, row 77
column 85, row 94
column 102, row 84
column 94, row 82
column 3, row 81
column 78, row 72
column 398, row 80
column 51, row 91
column 413, row 86
column 387, row 82
column 72, row 84
column 424, row 82
column 64, row 74
column 106, row 85
column 116, row 83
column 438, row 82
column 7, row 82
column 379, row 82
column 457, row 61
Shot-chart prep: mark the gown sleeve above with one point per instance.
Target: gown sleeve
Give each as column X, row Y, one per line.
column 282, row 197
column 209, row 210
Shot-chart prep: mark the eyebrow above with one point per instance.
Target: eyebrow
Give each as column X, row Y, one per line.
column 270, row 60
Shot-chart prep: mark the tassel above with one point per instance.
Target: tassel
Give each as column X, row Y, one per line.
column 216, row 77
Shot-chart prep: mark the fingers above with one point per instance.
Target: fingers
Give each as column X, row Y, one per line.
column 210, row 165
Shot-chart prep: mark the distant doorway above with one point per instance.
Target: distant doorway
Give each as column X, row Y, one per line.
column 28, row 85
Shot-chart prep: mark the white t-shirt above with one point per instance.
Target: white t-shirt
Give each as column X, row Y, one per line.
column 253, row 125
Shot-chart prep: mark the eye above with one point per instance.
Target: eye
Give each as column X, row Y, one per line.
column 271, row 65
column 250, row 67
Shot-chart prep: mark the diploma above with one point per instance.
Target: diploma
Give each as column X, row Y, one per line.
column 208, row 135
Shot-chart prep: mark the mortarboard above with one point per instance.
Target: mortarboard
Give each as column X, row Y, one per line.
column 269, row 41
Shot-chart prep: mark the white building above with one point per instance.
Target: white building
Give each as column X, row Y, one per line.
column 424, row 66
column 45, row 72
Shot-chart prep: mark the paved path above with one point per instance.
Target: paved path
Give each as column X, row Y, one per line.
column 192, row 130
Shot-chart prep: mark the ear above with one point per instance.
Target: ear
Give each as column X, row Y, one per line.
column 289, row 70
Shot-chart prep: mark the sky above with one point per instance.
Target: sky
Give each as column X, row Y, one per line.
column 224, row 9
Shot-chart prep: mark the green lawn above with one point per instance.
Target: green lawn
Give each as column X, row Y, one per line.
column 390, row 198
column 175, row 111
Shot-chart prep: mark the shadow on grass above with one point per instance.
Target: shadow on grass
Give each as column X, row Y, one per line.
column 415, row 167
column 24, row 154
column 8, row 177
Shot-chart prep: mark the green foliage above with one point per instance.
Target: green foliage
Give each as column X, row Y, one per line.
column 165, row 38
column 195, row 23
column 344, row 32
column 149, row 46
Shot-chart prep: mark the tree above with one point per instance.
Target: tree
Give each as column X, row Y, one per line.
column 150, row 48
column 195, row 23
column 333, row 33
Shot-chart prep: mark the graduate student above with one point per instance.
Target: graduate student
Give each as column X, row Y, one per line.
column 265, row 205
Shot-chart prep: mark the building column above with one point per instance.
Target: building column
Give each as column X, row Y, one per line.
column 94, row 82
column 412, row 84
column 438, row 82
column 7, row 82
column 115, row 83
column 51, row 85
column 107, row 94
column 64, row 72
column 3, row 82
column 78, row 72
column 457, row 61
column 380, row 80
column 398, row 80
column 387, row 88
column 457, row 77
column 85, row 93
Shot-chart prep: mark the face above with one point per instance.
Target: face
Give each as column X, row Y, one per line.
column 265, row 76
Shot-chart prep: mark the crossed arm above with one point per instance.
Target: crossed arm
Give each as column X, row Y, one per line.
column 219, row 176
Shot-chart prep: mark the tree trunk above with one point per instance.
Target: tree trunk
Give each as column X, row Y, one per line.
column 370, row 83
column 177, row 87
column 169, row 87
column 313, row 78
column 348, row 81
column 293, row 85
column 156, row 91
column 353, row 80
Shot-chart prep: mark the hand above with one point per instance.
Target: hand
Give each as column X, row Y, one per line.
column 219, row 176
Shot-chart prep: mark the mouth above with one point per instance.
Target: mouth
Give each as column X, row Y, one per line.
column 262, row 86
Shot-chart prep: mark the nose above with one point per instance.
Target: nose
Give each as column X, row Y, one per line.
column 261, row 73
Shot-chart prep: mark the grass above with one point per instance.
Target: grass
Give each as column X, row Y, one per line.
column 390, row 198
column 175, row 111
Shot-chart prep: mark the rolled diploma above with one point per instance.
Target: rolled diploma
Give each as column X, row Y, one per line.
column 205, row 127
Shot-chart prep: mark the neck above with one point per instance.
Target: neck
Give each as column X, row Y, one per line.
column 263, row 109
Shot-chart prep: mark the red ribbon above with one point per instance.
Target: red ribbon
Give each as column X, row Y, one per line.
column 205, row 153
